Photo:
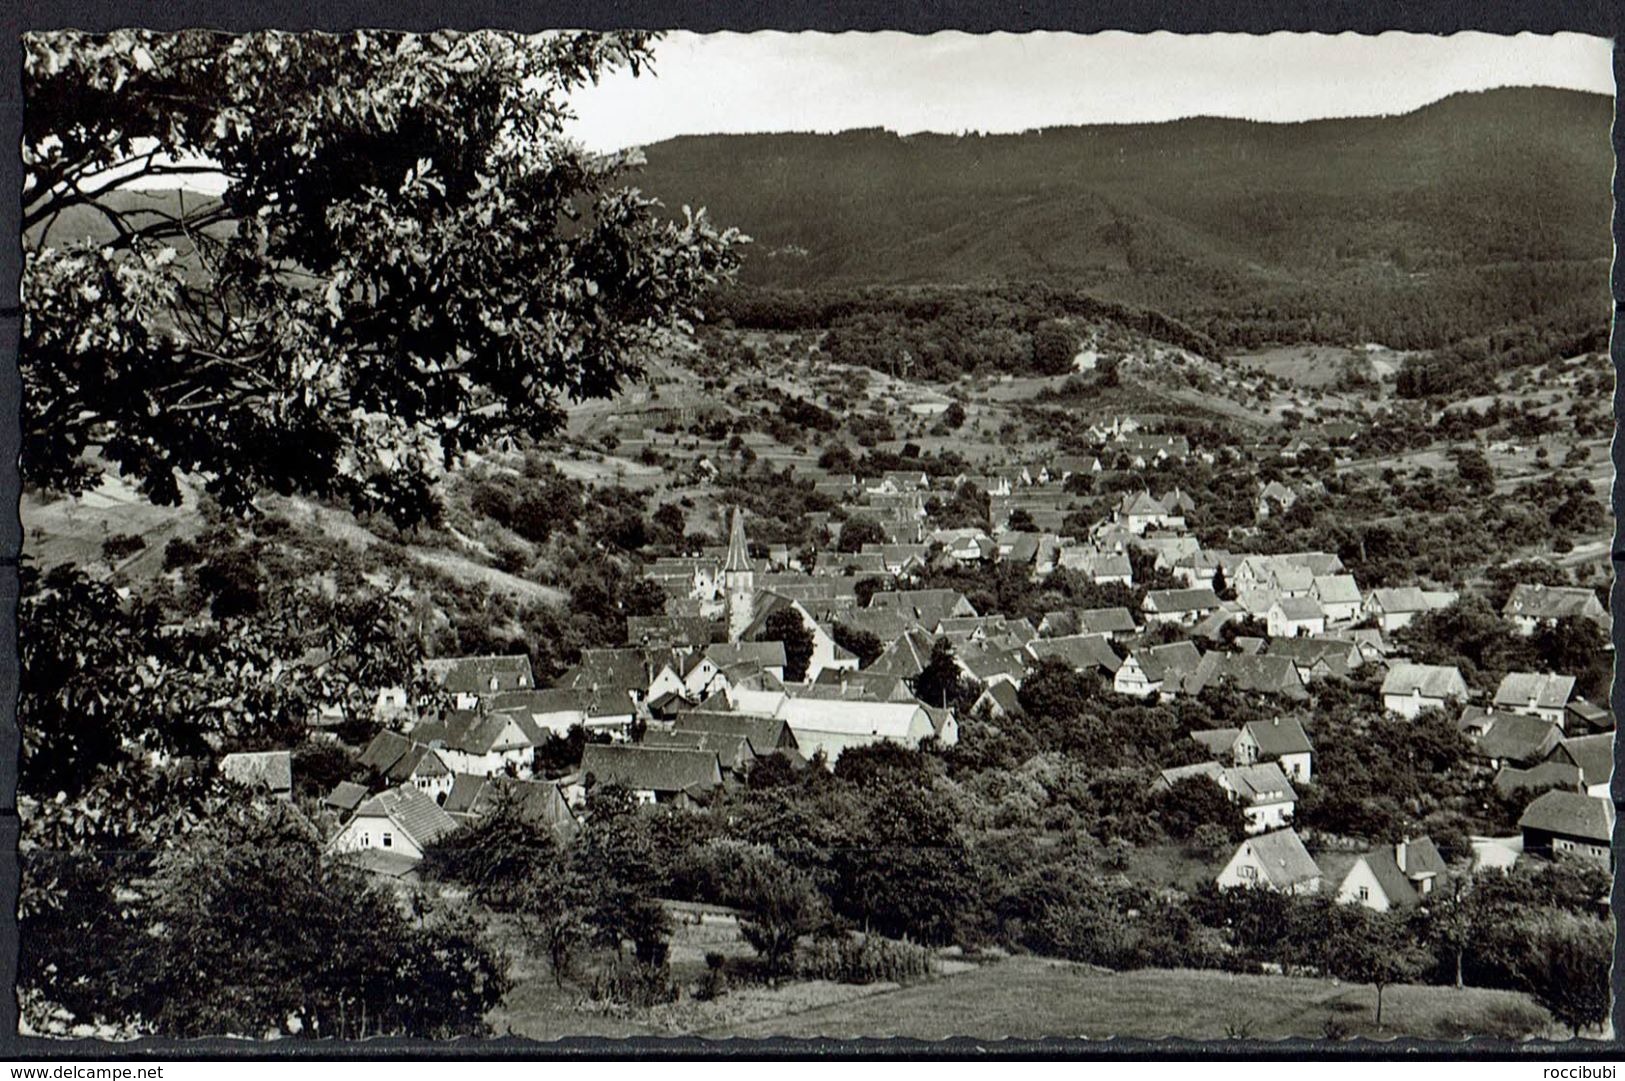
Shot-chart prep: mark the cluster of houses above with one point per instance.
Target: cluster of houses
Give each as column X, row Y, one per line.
column 701, row 693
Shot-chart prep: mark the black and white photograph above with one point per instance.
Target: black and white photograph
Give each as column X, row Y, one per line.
column 803, row 535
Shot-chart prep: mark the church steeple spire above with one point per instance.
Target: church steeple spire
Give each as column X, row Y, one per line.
column 738, row 554
column 738, row 581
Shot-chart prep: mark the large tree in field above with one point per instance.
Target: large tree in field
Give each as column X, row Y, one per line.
column 407, row 259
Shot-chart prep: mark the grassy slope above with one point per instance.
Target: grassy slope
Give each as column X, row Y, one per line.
column 1030, row 997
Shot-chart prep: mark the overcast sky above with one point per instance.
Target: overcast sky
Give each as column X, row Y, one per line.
column 953, row 82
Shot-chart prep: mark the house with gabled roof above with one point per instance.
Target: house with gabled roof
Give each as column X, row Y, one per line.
column 864, row 685
column 1396, row 608
column 1339, row 596
column 1402, row 875
column 1318, row 658
column 1539, row 694
column 489, row 744
column 345, row 797
column 1408, row 689
column 1101, row 568
column 653, row 774
column 1569, row 824
column 399, row 822
column 906, row 657
column 469, row 678
column 1179, row 606
column 1157, row 670
column 1274, row 498
column 1255, row 673
column 1281, row 740
column 1511, row 781
column 1592, row 755
column 1501, row 739
column 1139, row 511
column 766, row 735
column 1274, row 861
column 1289, row 617
column 1081, row 652
column 1533, row 605
column 269, row 771
column 1266, row 797
column 927, row 607
column 999, row 701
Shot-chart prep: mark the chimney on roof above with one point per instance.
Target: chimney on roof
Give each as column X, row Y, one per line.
column 1399, row 852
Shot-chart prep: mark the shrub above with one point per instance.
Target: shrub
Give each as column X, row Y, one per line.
column 864, row 959
column 630, row 982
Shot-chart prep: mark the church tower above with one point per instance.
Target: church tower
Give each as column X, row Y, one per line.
column 738, row 581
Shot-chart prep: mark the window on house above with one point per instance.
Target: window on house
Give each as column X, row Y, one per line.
column 1363, row 893
column 389, row 840
column 1247, row 871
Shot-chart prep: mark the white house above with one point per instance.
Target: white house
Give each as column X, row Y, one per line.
column 1339, row 597
column 1289, row 617
column 1409, row 689
column 398, row 821
column 486, row 745
column 1538, row 694
column 1403, row 875
column 1182, row 606
column 1273, row 861
column 1281, row 740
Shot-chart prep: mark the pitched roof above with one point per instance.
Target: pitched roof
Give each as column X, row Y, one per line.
column 474, row 675
column 1181, row 600
column 1078, row 651
column 1141, row 503
column 1259, row 784
column 260, row 769
column 1421, row 858
column 412, row 810
column 346, row 796
column 1593, row 754
column 385, row 749
column 1005, row 696
column 1431, row 680
column 473, row 733
column 1217, row 741
column 1543, row 689
column 1572, row 814
column 1173, row 659
column 888, row 720
column 1399, row 600
column 1553, row 602
column 766, row 734
column 1285, row 861
column 652, row 769
column 1548, row 774
column 1337, row 589
column 1508, row 737
column 1105, row 620
column 1279, row 736
column 620, row 669
column 733, row 751
column 761, row 654
column 1300, row 608
column 465, row 789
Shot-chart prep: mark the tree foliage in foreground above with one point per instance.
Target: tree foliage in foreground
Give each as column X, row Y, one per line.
column 408, row 259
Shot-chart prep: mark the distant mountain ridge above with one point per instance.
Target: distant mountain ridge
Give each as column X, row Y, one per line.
column 1481, row 210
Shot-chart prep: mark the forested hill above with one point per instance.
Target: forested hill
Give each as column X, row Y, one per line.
column 1479, row 212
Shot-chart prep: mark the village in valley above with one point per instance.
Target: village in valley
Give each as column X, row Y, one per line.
column 1129, row 580
column 1008, row 620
